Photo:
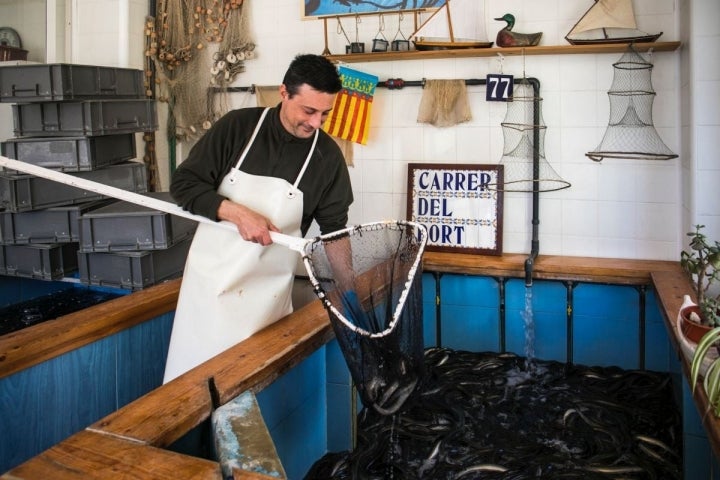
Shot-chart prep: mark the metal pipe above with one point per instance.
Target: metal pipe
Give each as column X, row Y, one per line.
column 534, row 242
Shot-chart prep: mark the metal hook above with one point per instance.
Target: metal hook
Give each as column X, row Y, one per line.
column 501, row 59
column 381, row 27
column 399, row 30
column 340, row 30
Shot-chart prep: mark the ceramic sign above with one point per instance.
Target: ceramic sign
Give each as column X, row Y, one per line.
column 457, row 205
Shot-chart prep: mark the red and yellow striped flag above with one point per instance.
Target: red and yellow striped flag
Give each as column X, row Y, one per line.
column 350, row 116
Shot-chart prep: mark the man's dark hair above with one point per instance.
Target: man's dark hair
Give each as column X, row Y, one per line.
column 316, row 71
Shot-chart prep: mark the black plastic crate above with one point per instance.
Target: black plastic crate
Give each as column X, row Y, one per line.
column 24, row 193
column 123, row 226
column 133, row 270
column 72, row 154
column 50, row 225
column 42, row 261
column 92, row 117
column 60, row 81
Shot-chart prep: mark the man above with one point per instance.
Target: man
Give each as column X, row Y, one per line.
column 263, row 170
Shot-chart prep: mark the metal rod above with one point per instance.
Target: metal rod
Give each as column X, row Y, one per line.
column 534, row 242
column 501, row 281
column 438, row 309
column 569, row 311
column 642, row 326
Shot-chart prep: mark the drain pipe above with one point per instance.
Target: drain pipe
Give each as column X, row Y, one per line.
column 535, row 242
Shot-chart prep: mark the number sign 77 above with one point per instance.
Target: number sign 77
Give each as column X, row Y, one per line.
column 499, row 88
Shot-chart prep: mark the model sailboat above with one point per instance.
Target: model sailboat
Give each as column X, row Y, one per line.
column 460, row 25
column 608, row 21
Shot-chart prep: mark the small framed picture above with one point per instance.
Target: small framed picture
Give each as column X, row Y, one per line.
column 459, row 204
column 322, row 8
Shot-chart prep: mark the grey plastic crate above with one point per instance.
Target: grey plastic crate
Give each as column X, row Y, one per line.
column 59, row 81
column 50, row 225
column 72, row 154
column 24, row 193
column 92, row 117
column 42, row 261
column 123, row 226
column 133, row 270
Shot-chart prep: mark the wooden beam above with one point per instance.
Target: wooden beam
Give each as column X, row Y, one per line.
column 506, row 51
column 91, row 455
column 670, row 288
column 549, row 267
column 165, row 414
column 33, row 345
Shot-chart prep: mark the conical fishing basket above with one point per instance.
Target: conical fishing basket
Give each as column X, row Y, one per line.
column 368, row 278
column 523, row 160
column 630, row 132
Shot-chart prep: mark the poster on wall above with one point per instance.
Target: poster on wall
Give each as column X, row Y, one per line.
column 454, row 203
column 323, row 8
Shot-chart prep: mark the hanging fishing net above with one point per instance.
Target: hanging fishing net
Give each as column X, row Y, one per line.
column 523, row 160
column 630, row 132
column 367, row 277
column 182, row 40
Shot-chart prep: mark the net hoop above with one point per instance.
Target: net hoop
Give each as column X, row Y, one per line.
column 421, row 234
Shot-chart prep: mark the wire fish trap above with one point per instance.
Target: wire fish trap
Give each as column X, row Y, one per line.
column 367, row 278
column 630, row 132
column 523, row 160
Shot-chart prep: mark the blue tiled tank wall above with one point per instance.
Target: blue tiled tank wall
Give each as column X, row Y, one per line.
column 42, row 405
column 586, row 323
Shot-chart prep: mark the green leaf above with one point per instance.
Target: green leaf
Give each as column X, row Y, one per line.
column 712, row 385
column 707, row 341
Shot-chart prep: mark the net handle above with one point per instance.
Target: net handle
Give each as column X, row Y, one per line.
column 294, row 243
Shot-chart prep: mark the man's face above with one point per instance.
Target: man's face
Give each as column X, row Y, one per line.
column 306, row 111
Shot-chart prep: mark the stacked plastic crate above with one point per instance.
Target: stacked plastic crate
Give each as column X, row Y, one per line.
column 132, row 247
column 81, row 120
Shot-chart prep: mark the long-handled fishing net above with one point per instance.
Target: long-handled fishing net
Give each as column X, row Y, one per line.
column 367, row 278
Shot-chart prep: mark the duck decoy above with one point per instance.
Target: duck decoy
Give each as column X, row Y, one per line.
column 507, row 38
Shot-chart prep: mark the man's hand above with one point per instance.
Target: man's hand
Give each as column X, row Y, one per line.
column 252, row 226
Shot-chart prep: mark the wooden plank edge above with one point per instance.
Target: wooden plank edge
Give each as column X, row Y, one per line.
column 670, row 288
column 548, row 267
column 642, row 47
column 31, row 346
column 92, row 455
column 163, row 415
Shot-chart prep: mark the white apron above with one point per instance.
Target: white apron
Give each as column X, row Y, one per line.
column 231, row 288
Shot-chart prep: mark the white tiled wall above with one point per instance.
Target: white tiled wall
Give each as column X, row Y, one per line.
column 616, row 208
column 700, row 120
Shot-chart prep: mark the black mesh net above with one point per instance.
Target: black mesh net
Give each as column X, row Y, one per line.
column 367, row 277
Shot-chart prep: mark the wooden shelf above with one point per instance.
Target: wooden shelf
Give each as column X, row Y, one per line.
column 489, row 52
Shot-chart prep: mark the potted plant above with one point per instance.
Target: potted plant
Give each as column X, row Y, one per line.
column 702, row 264
column 706, row 362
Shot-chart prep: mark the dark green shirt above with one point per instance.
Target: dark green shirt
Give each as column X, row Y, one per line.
column 327, row 193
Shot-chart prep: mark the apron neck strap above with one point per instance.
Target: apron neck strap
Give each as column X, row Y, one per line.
column 245, row 151
column 252, row 138
column 307, row 159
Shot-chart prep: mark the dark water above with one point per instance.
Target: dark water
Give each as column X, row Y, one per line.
column 489, row 416
column 47, row 307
